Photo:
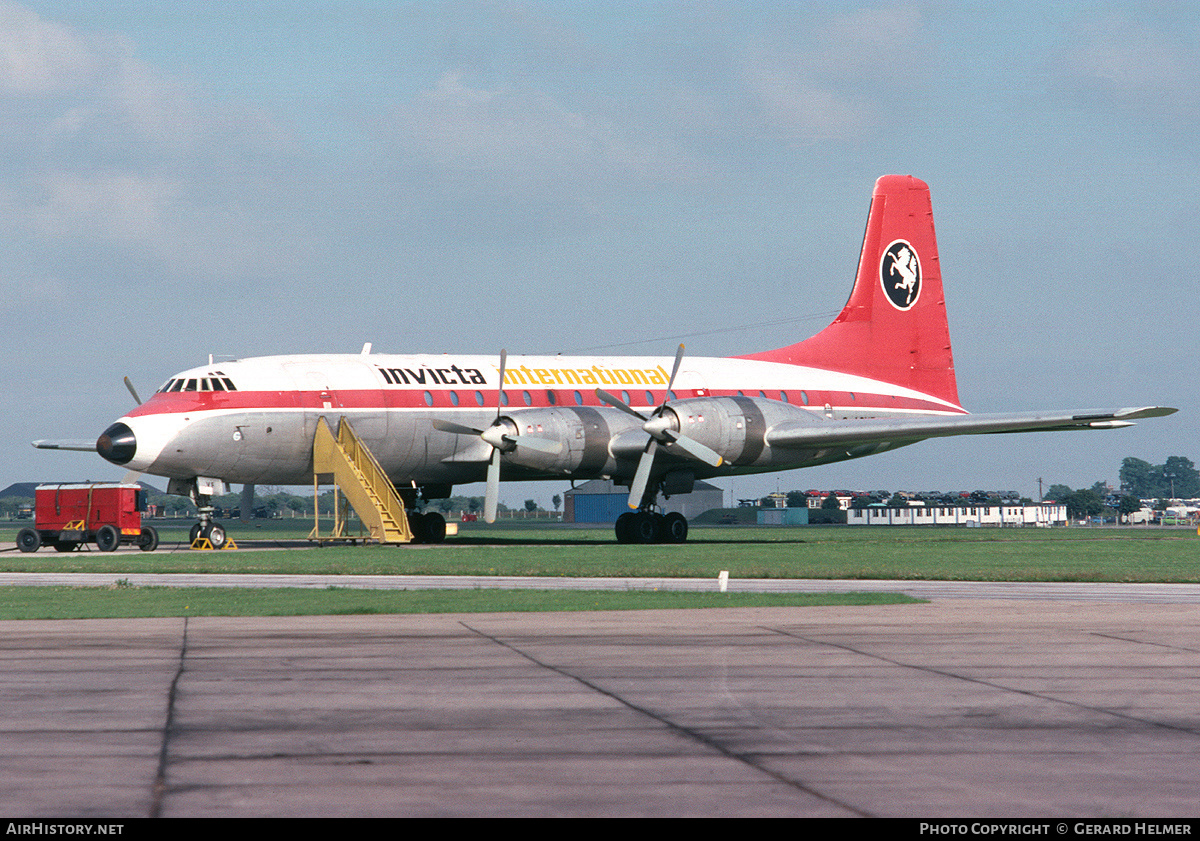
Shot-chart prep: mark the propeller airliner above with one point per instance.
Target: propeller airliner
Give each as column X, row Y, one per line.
column 881, row 376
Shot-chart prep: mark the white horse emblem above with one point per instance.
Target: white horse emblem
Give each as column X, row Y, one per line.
column 900, row 274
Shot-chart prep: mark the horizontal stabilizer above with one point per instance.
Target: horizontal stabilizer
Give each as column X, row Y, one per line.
column 81, row 446
column 866, row 430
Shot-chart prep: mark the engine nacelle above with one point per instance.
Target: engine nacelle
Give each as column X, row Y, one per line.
column 583, row 432
column 734, row 427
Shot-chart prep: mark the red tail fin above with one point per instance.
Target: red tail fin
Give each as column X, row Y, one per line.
column 894, row 326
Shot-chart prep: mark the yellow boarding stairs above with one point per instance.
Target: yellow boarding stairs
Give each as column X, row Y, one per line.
column 364, row 484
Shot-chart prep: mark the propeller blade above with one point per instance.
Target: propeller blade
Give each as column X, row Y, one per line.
column 675, row 368
column 695, row 449
column 500, row 390
column 617, row 403
column 637, row 488
column 455, row 428
column 542, row 445
column 133, row 391
column 492, row 493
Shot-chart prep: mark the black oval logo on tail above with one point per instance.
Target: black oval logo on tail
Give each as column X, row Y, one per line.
column 900, row 274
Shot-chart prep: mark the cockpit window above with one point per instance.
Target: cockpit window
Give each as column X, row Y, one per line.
column 177, row 385
column 190, row 385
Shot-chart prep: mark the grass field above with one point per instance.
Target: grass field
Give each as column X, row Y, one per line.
column 1071, row 554
column 124, row 601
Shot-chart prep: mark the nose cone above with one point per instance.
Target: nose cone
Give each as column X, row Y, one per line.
column 117, row 444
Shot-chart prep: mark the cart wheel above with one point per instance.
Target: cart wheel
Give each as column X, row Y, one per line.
column 28, row 540
column 148, row 541
column 107, row 539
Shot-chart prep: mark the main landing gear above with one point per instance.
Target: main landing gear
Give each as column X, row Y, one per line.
column 646, row 526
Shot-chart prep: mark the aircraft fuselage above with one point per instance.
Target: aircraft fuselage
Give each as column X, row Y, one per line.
column 253, row 420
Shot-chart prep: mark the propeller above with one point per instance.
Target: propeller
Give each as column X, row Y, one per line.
column 660, row 429
column 132, row 477
column 133, row 391
column 504, row 437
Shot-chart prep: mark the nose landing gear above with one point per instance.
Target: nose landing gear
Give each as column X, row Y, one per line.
column 208, row 533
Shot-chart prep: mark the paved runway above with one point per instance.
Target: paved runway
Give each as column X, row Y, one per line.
column 960, row 707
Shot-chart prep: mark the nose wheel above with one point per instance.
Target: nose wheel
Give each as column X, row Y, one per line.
column 212, row 531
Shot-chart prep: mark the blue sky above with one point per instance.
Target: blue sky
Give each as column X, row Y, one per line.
column 179, row 179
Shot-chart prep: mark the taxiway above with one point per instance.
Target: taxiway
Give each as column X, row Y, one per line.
column 962, row 706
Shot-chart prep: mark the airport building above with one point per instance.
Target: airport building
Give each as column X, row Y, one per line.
column 1043, row 514
column 600, row 501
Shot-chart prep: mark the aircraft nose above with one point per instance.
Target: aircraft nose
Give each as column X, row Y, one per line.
column 117, row 444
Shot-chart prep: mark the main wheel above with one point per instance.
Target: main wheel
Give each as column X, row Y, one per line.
column 28, row 540
column 107, row 539
column 624, row 527
column 194, row 533
column 148, row 540
column 646, row 527
column 416, row 524
column 434, row 526
column 675, row 528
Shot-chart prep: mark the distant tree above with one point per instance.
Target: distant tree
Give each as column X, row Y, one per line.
column 1181, row 473
column 797, row 499
column 830, row 503
column 897, row 501
column 1177, row 477
column 531, row 506
column 1138, row 478
column 557, row 500
column 1129, row 504
column 1057, row 493
column 1083, row 503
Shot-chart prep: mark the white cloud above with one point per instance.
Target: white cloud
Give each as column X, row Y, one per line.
column 102, row 150
column 1134, row 66
column 836, row 77
column 525, row 134
column 39, row 56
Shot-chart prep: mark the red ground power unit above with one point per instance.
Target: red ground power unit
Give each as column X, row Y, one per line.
column 68, row 516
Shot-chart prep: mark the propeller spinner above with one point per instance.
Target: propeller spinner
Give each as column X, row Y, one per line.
column 660, row 428
column 504, row 437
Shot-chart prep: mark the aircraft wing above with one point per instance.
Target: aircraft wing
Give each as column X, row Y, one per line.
column 865, row 430
column 81, row 446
